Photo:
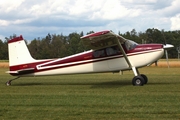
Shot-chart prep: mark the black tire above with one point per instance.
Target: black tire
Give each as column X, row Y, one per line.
column 138, row 81
column 145, row 78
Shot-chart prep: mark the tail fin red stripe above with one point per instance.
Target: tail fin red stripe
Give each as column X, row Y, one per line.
column 16, row 39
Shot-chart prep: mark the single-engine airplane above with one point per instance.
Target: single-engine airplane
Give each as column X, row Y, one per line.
column 109, row 53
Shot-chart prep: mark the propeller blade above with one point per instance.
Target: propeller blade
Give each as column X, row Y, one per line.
column 167, row 59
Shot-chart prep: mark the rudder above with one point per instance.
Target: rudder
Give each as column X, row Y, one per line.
column 18, row 52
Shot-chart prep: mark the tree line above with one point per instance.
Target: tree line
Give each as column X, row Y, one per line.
column 59, row 45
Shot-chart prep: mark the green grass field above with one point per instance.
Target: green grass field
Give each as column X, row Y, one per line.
column 92, row 96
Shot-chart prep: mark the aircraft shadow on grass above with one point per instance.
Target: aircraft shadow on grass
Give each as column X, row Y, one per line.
column 93, row 84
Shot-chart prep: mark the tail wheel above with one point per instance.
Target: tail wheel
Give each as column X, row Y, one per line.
column 8, row 83
column 145, row 78
column 138, row 81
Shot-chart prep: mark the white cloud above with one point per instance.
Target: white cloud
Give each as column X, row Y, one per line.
column 9, row 5
column 171, row 10
column 112, row 11
column 36, row 18
column 4, row 23
column 175, row 22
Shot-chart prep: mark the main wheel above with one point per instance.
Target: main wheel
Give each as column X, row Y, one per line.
column 145, row 78
column 138, row 81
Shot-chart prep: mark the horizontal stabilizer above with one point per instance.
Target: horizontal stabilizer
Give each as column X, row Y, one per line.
column 22, row 71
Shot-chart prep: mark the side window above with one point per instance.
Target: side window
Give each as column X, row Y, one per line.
column 112, row 50
column 99, row 53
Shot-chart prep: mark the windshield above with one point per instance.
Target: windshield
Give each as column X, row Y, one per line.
column 130, row 44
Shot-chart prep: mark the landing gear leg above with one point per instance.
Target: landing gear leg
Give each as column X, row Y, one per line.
column 8, row 83
column 139, row 79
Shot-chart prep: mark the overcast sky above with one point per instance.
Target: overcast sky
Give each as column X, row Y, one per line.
column 37, row 18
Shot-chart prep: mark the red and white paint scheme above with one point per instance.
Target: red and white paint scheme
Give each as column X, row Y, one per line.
column 110, row 53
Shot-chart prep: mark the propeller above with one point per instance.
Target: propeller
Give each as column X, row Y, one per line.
column 166, row 47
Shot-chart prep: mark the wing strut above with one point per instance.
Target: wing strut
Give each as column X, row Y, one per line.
column 123, row 52
column 135, row 70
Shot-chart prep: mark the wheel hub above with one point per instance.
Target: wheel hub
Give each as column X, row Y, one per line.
column 138, row 81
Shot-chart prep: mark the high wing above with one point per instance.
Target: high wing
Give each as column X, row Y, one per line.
column 105, row 39
column 101, row 40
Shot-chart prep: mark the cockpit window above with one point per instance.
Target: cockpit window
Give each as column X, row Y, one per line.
column 130, row 44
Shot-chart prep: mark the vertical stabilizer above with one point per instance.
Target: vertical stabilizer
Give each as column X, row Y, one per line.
column 18, row 52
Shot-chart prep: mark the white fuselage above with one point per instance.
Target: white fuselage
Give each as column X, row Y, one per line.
column 107, row 64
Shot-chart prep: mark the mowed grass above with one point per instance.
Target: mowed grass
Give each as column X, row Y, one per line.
column 92, row 96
